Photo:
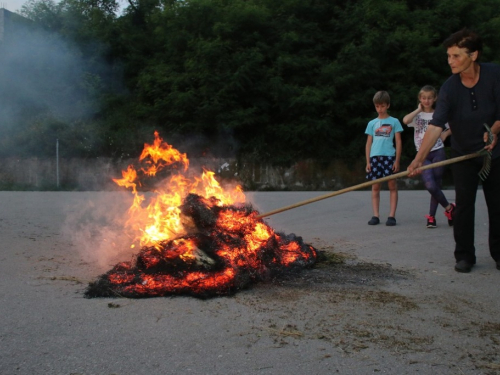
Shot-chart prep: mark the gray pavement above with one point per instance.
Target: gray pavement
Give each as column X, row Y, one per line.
column 410, row 313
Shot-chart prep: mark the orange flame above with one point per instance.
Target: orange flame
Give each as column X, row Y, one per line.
column 159, row 218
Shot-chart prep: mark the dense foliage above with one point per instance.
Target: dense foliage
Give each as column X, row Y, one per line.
column 274, row 80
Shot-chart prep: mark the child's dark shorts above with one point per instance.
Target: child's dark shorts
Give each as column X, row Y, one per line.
column 381, row 166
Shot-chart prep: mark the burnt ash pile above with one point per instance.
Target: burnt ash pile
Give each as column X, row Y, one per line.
column 225, row 250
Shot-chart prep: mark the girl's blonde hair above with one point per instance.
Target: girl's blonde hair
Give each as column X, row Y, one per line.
column 428, row 88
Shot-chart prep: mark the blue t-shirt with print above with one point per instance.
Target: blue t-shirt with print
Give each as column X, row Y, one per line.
column 382, row 131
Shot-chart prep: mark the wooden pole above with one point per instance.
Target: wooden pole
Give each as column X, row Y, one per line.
column 372, row 182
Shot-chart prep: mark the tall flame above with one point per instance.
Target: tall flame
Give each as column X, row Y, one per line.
column 157, row 217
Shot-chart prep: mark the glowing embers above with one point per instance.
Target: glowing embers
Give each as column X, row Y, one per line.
column 227, row 250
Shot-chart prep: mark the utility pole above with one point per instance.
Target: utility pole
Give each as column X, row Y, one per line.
column 57, row 163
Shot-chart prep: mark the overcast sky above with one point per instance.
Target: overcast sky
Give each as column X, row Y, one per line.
column 15, row 5
column 12, row 5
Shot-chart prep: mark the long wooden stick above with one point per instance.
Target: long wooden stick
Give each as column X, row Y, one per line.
column 372, row 182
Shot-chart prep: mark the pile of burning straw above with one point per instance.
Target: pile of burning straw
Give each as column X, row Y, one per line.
column 196, row 238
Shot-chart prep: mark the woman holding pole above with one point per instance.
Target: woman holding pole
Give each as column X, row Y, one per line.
column 469, row 99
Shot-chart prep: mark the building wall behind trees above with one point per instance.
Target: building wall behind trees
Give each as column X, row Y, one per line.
column 98, row 174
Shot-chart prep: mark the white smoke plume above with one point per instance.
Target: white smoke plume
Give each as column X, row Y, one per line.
column 96, row 228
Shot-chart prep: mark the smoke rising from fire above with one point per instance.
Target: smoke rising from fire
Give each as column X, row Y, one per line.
column 45, row 85
column 39, row 70
column 95, row 227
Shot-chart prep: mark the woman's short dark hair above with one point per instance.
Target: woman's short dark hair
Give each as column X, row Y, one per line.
column 465, row 38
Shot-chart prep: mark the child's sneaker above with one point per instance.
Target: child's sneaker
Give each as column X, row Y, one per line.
column 450, row 214
column 391, row 221
column 431, row 221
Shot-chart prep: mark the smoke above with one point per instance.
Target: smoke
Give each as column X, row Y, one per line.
column 46, row 85
column 219, row 144
column 40, row 70
column 96, row 228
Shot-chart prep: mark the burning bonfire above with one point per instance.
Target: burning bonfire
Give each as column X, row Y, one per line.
column 196, row 238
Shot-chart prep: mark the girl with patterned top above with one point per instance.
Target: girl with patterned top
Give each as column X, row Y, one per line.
column 432, row 178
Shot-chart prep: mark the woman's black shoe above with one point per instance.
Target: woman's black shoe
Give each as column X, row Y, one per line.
column 463, row 266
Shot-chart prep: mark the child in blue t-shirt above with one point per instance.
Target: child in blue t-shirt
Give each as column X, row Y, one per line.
column 382, row 158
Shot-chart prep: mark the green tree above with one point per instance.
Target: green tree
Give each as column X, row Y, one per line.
column 277, row 80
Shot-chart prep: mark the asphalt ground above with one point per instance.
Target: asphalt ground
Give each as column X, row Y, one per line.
column 391, row 303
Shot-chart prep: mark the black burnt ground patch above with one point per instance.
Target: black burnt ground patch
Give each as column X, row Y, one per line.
column 226, row 249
